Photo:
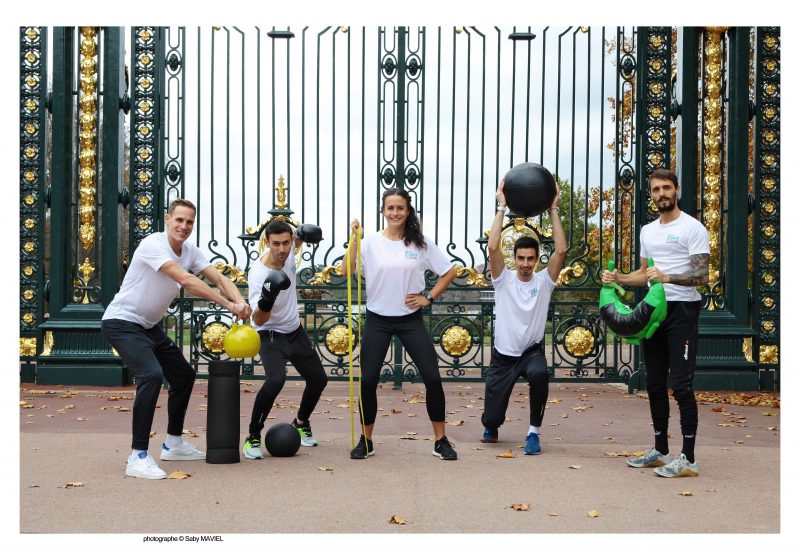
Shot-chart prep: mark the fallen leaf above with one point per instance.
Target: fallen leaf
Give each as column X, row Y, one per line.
column 70, row 406
column 80, row 419
column 557, row 439
column 659, row 509
column 103, row 408
column 711, row 490
column 555, row 400
column 408, row 437
column 771, row 428
column 325, row 469
column 344, row 405
column 397, row 520
column 718, row 409
column 396, row 411
column 178, row 475
column 124, row 409
column 553, row 514
column 189, row 433
column 521, row 507
column 153, row 433
column 412, row 414
column 552, row 425
column 580, row 408
column 725, row 425
column 574, row 466
column 455, row 422
column 73, row 484
column 34, row 486
column 507, row 455
column 564, row 415
column 593, row 513
column 685, row 493
column 769, row 413
column 477, row 448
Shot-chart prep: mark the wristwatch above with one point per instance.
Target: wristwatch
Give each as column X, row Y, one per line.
column 427, row 295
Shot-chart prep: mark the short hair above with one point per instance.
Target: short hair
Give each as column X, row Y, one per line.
column 662, row 173
column 277, row 226
column 526, row 242
column 180, row 202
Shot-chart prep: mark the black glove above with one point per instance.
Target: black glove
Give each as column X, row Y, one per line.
column 308, row 233
column 275, row 282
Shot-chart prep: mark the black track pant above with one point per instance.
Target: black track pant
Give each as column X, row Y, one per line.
column 152, row 356
column 410, row 329
column 500, row 378
column 276, row 350
column 669, row 358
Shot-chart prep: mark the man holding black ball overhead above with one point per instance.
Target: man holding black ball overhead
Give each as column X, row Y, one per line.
column 283, row 338
column 522, row 299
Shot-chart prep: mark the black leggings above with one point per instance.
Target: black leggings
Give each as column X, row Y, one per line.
column 410, row 329
column 670, row 355
column 503, row 373
column 276, row 350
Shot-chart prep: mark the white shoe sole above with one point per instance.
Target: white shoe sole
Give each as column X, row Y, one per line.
column 252, row 458
column 183, row 457
column 304, row 444
column 145, row 475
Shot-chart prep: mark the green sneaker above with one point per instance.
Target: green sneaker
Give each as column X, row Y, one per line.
column 252, row 448
column 306, row 437
column 680, row 466
column 650, row 459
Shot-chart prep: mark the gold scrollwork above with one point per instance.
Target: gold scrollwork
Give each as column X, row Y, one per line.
column 27, row 346
column 237, row 276
column 579, row 341
column 324, row 276
column 456, row 341
column 768, row 354
column 576, row 271
column 747, row 349
column 213, row 337
column 474, row 278
column 280, row 195
column 48, row 343
column 712, row 135
column 87, row 159
column 336, row 341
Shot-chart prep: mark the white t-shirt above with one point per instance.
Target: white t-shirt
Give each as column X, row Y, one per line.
column 521, row 310
column 146, row 293
column 670, row 245
column 392, row 270
column 284, row 317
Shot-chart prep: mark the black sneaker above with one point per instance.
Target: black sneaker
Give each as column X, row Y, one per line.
column 444, row 449
column 364, row 448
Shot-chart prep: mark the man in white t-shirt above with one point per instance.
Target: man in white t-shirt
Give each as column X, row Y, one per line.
column 272, row 281
column 162, row 264
column 522, row 299
column 679, row 246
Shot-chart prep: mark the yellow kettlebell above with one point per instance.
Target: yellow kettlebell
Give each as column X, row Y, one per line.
column 242, row 341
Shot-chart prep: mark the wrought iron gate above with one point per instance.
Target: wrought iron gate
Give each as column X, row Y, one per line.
column 312, row 124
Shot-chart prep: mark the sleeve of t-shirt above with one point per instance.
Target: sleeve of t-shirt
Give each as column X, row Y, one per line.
column 501, row 278
column 698, row 240
column 153, row 253
column 435, row 260
column 643, row 253
column 547, row 283
column 198, row 261
column 254, row 283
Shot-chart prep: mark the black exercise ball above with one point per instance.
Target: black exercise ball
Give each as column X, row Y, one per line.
column 283, row 440
column 529, row 188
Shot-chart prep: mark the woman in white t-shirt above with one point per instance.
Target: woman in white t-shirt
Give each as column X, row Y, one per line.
column 394, row 261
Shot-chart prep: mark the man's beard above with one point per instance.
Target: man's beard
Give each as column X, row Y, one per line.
column 669, row 207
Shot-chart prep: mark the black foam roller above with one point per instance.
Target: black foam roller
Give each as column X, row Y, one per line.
column 222, row 423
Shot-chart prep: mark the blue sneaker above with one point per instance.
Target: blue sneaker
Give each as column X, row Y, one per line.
column 489, row 435
column 532, row 446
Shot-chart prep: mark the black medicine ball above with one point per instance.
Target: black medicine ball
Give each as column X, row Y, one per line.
column 282, row 440
column 529, row 188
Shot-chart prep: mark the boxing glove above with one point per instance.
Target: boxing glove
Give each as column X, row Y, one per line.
column 275, row 282
column 308, row 233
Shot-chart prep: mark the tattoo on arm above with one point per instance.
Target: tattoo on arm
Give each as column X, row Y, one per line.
column 697, row 277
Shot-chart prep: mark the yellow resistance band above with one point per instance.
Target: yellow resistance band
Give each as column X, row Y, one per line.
column 355, row 239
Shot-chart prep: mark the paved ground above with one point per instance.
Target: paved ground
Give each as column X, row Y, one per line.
column 83, row 435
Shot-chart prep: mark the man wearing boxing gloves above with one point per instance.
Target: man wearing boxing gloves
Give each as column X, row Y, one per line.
column 283, row 338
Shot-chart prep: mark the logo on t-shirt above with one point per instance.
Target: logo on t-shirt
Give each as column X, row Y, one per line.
column 411, row 254
column 534, row 291
column 672, row 238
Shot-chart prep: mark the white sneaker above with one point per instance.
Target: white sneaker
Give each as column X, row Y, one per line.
column 144, row 468
column 252, row 448
column 680, row 466
column 183, row 452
